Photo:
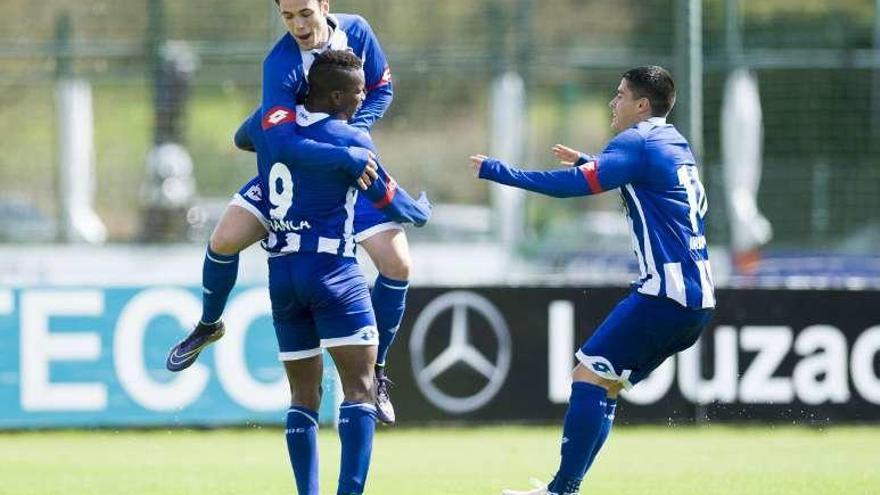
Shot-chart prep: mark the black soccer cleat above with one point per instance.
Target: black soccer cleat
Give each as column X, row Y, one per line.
column 384, row 407
column 184, row 354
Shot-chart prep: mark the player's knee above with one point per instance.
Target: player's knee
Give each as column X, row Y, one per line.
column 310, row 399
column 358, row 389
column 396, row 267
column 225, row 242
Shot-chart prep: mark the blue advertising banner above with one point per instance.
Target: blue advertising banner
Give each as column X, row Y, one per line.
column 95, row 357
column 91, row 356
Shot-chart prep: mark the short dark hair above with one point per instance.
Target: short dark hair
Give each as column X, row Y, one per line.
column 654, row 83
column 331, row 71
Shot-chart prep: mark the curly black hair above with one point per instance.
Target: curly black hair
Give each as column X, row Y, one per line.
column 331, row 71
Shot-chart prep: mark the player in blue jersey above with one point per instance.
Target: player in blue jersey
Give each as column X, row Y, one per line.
column 319, row 296
column 653, row 168
column 312, row 29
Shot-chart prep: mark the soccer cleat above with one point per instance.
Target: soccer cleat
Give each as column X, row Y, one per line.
column 384, row 407
column 540, row 489
column 184, row 354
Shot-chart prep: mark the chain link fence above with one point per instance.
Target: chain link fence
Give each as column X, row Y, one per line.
column 816, row 62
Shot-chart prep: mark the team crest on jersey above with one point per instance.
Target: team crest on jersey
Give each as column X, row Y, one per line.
column 255, row 193
column 277, row 116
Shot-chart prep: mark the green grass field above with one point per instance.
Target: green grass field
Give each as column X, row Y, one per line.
column 433, row 461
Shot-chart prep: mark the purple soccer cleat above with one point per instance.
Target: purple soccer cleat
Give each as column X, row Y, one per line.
column 384, row 407
column 184, row 354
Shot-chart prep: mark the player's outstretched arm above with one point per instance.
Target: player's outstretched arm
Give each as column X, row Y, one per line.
column 562, row 183
column 395, row 202
column 621, row 162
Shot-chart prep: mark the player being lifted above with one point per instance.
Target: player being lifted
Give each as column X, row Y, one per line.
column 319, row 296
column 654, row 169
column 312, row 30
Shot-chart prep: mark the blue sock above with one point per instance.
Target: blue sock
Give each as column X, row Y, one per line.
column 218, row 278
column 610, row 411
column 357, row 423
column 581, row 430
column 389, row 301
column 302, row 447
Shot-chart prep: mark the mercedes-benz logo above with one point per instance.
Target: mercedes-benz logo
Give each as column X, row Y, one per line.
column 460, row 350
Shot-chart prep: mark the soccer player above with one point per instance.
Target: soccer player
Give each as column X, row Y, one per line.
column 319, row 296
column 653, row 168
column 312, row 30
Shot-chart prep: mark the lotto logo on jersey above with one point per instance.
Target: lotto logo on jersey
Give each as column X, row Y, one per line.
column 277, row 116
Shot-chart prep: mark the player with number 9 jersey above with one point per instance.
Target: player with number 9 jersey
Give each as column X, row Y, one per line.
column 320, row 299
column 312, row 210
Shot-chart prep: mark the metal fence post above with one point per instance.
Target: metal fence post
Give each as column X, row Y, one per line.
column 689, row 46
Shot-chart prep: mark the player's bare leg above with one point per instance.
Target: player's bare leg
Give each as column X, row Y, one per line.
column 355, row 363
column 237, row 229
column 357, row 415
column 304, row 377
column 301, row 433
column 389, row 251
column 587, row 387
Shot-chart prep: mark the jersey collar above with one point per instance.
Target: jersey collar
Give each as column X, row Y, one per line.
column 658, row 121
column 305, row 118
column 338, row 41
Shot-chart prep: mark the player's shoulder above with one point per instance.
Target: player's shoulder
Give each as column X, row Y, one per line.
column 281, row 51
column 665, row 144
column 632, row 139
column 281, row 47
column 353, row 24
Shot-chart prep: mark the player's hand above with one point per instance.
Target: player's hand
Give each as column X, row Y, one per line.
column 566, row 155
column 476, row 163
column 370, row 174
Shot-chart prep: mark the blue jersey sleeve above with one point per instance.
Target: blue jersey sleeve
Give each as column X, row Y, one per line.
column 617, row 165
column 561, row 183
column 396, row 203
column 281, row 84
column 620, row 163
column 377, row 73
column 242, row 138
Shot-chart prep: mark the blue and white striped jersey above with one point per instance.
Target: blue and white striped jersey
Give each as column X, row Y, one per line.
column 312, row 209
column 653, row 166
